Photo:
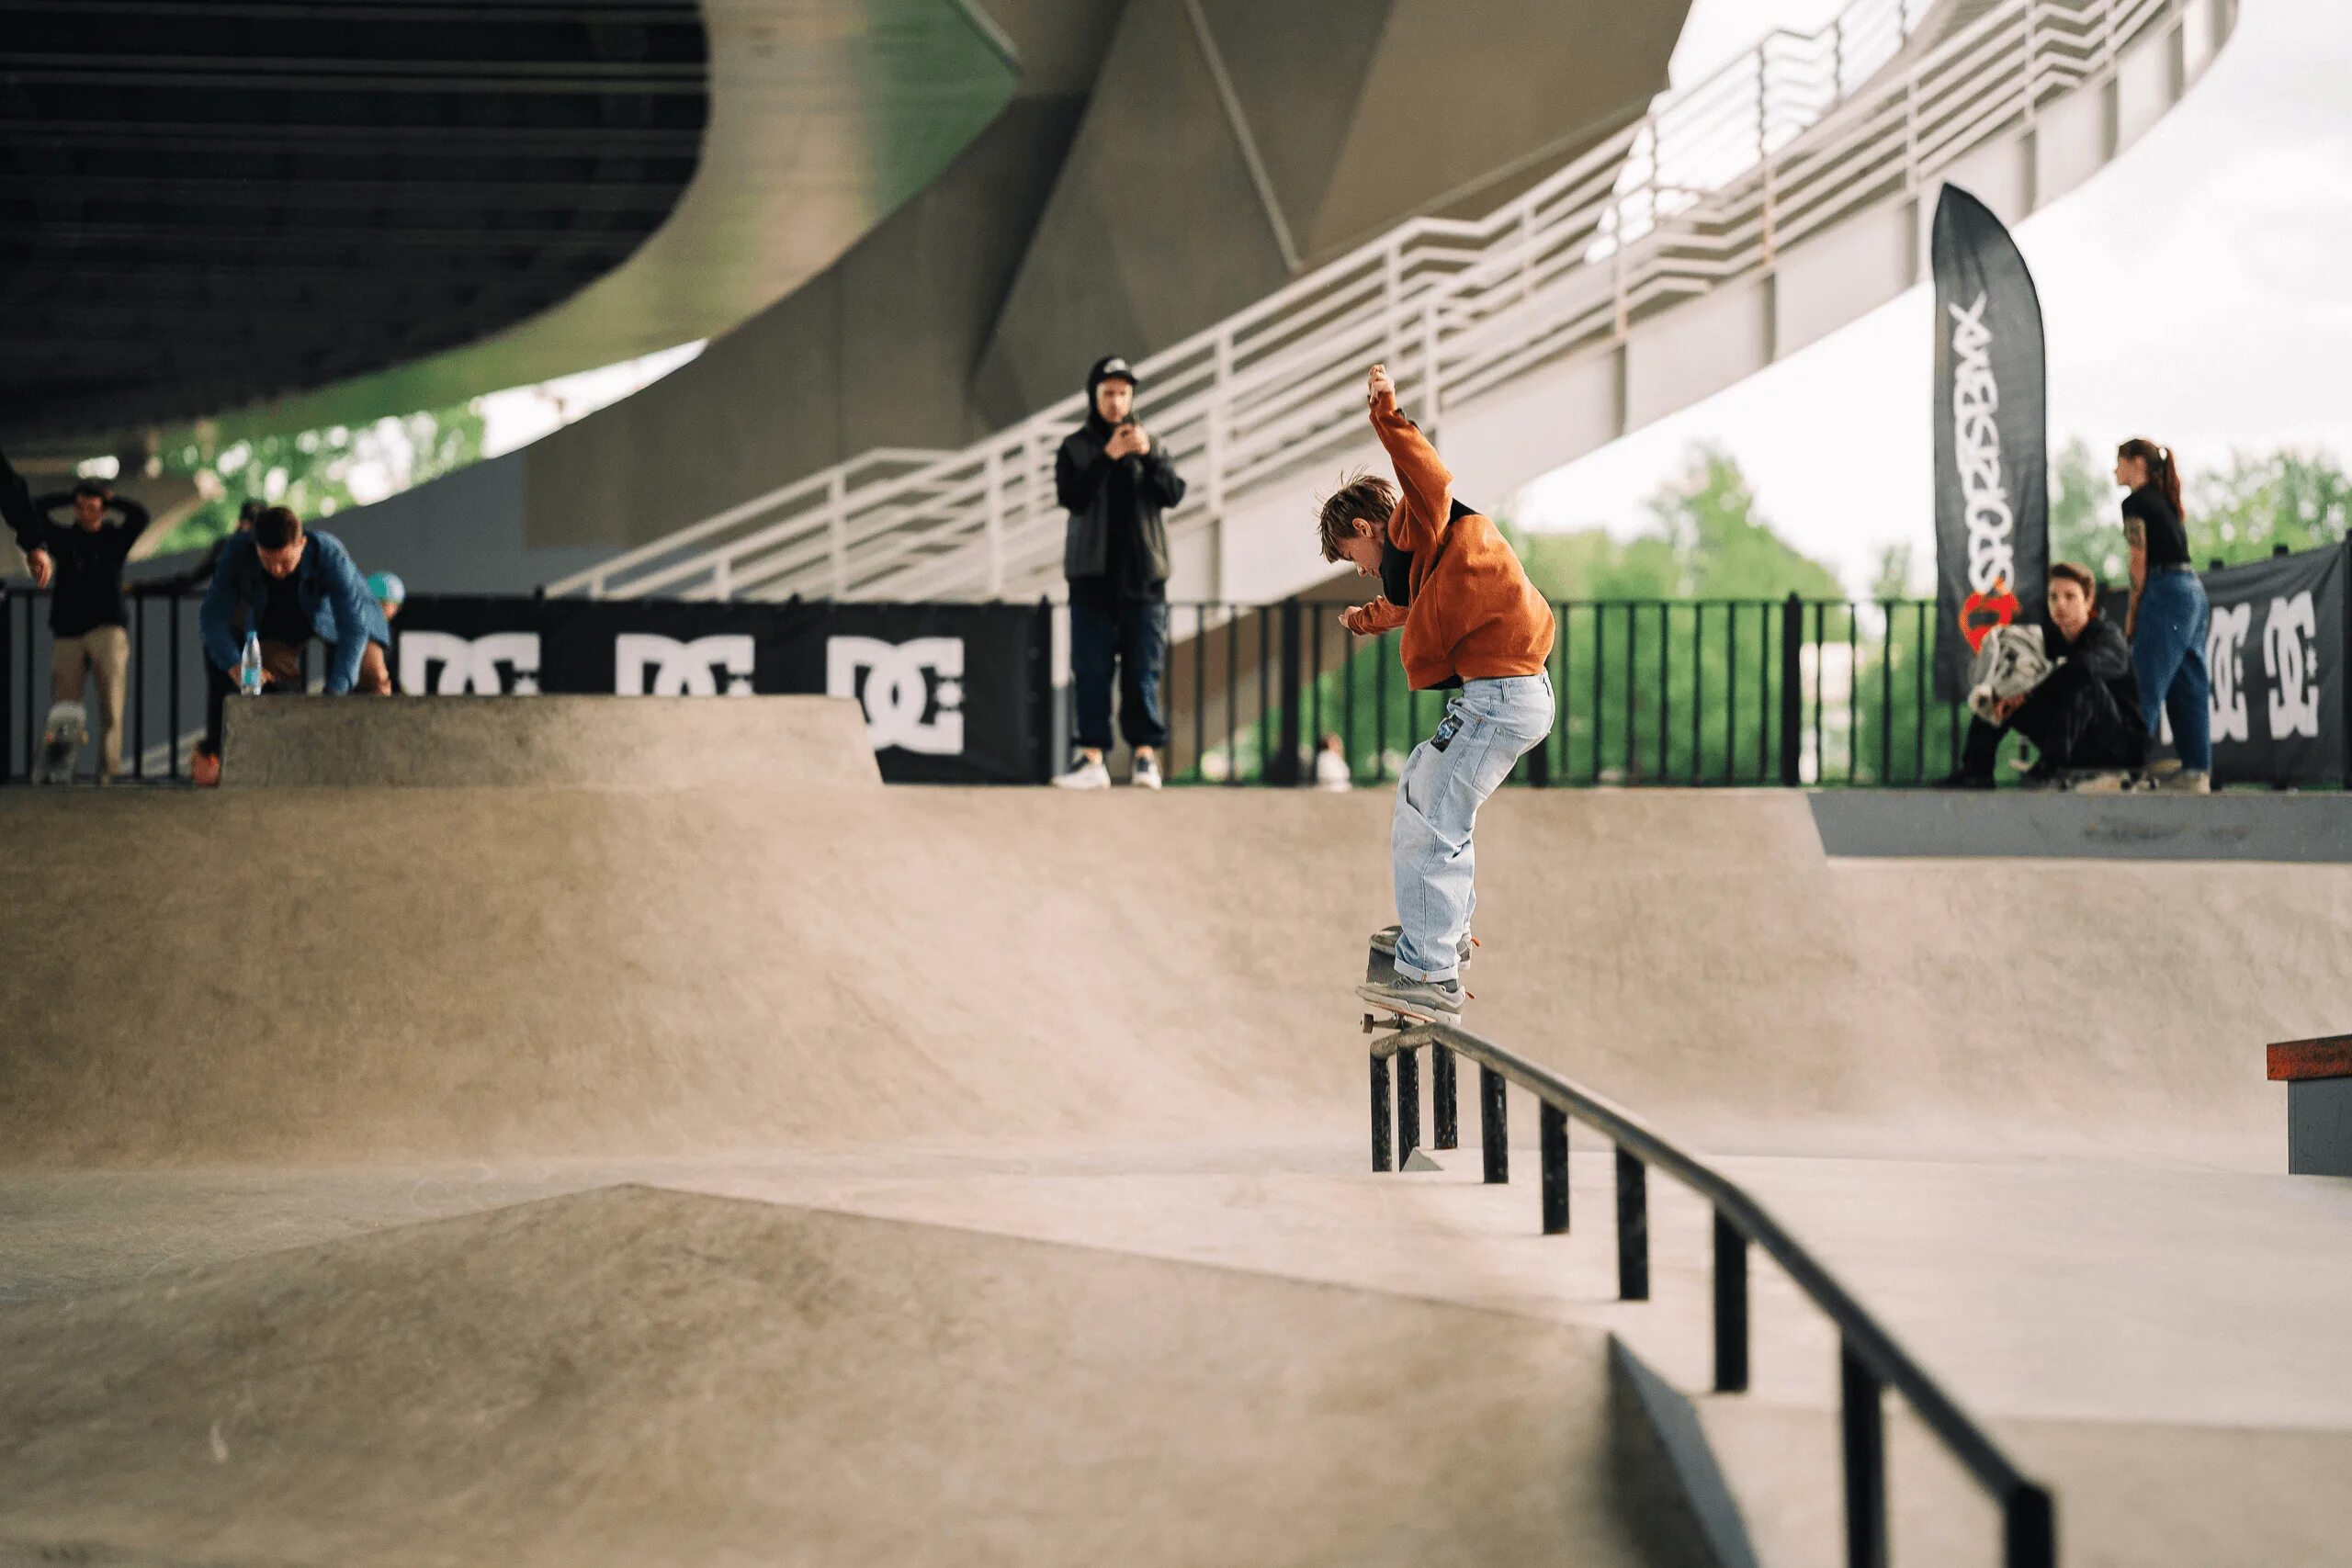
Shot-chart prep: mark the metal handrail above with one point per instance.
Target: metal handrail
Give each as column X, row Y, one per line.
column 1871, row 1361
column 1708, row 187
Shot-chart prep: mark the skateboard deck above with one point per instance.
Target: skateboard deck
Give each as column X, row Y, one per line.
column 1394, row 1014
column 62, row 740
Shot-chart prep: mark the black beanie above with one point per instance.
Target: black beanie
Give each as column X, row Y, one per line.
column 1114, row 368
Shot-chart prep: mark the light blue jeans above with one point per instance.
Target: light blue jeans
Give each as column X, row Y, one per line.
column 1489, row 726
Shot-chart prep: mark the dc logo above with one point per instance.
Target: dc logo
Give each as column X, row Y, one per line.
column 2225, row 662
column 2287, row 639
column 469, row 664
column 648, row 665
column 913, row 691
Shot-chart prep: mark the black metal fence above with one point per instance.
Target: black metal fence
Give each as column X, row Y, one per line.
column 163, row 691
column 1657, row 691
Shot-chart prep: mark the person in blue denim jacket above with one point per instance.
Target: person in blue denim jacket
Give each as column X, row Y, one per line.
column 290, row 584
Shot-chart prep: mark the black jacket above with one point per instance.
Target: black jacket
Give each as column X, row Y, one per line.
column 1082, row 475
column 2086, row 714
column 2102, row 655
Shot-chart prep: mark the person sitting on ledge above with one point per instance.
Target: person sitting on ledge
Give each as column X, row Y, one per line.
column 2075, row 717
column 288, row 585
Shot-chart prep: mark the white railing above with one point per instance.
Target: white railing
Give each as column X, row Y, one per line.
column 1800, row 133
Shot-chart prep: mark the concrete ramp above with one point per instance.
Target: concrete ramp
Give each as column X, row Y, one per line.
column 632, row 1376
column 462, row 973
column 547, row 742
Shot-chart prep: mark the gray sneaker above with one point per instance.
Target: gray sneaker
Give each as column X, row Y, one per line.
column 1430, row 1001
column 1384, row 940
column 2187, row 781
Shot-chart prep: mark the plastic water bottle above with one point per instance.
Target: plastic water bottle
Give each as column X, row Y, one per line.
column 249, row 667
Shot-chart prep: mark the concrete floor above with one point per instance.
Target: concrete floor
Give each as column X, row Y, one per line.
column 1083, row 1021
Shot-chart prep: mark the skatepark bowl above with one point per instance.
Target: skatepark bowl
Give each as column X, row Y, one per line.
column 620, row 1131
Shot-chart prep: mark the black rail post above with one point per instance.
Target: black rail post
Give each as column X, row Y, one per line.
column 173, row 632
column 32, row 724
column 1863, row 1417
column 1379, row 1113
column 1494, row 1128
column 1552, row 1124
column 1286, row 769
column 1792, row 692
column 1731, row 1307
column 1408, row 1106
column 8, row 689
column 2029, row 1529
column 134, row 672
column 1632, row 1229
column 1442, row 1101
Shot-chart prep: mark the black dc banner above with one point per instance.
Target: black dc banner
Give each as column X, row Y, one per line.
column 953, row 693
column 2276, row 653
column 1991, row 436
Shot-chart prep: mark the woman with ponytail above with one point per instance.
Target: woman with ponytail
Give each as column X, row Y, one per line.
column 2169, row 613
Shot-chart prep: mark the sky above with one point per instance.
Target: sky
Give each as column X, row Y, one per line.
column 2198, row 291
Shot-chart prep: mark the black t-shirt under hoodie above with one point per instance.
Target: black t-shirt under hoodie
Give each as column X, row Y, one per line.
column 2167, row 536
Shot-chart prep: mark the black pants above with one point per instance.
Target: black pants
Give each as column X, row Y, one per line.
column 1127, row 639
column 2080, row 730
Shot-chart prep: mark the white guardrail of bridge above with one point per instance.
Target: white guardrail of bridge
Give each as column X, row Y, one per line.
column 1803, row 132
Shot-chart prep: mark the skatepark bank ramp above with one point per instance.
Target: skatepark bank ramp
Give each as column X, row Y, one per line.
column 798, row 956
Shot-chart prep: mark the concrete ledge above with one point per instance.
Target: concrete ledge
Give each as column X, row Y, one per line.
column 579, row 742
column 1951, row 824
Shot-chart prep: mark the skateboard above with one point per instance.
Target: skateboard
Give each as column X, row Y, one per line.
column 1380, row 966
column 2095, row 781
column 62, row 740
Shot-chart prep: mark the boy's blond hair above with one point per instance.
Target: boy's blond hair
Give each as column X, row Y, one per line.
column 1362, row 498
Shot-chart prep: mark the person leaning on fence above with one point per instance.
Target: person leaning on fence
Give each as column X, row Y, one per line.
column 288, row 585
column 88, row 623
column 2085, row 715
column 1116, row 482
column 23, row 522
column 1474, row 624
column 2170, row 615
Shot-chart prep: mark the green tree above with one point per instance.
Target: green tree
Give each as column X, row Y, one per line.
column 2084, row 525
column 1667, row 645
column 311, row 470
column 1704, row 539
column 2302, row 499
column 2299, row 499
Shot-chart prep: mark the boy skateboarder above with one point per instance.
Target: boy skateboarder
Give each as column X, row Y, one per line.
column 1475, row 626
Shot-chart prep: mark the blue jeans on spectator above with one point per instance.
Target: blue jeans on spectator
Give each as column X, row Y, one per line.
column 1489, row 726
column 2168, row 655
column 1127, row 638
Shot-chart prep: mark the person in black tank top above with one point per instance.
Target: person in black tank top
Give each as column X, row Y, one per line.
column 2169, row 615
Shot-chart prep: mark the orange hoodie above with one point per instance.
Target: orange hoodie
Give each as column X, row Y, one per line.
column 1473, row 613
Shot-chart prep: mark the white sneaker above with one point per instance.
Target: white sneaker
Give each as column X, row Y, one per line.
column 2188, row 780
column 1086, row 776
column 1147, row 774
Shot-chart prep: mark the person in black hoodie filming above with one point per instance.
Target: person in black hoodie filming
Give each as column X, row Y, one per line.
column 2076, row 717
column 1116, row 483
